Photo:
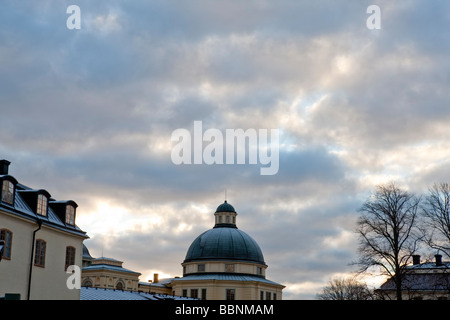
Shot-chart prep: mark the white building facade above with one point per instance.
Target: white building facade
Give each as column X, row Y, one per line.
column 40, row 240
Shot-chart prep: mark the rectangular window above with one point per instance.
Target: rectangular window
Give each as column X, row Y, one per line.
column 259, row 271
column 70, row 215
column 184, row 293
column 261, row 295
column 203, row 294
column 201, row 267
column 42, row 205
column 229, row 267
column 194, row 293
column 268, row 296
column 70, row 257
column 6, row 236
column 39, row 253
column 274, row 296
column 8, row 192
column 231, row 294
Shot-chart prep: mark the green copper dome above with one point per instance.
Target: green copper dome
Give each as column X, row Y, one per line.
column 224, row 244
column 225, row 241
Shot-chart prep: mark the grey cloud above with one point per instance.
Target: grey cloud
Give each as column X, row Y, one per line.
column 82, row 113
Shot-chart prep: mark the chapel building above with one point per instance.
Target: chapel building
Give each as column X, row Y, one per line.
column 224, row 263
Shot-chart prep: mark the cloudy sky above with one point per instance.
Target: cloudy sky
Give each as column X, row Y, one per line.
column 88, row 113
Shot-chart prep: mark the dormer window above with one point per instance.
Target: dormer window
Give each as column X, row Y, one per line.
column 8, row 192
column 42, row 205
column 70, row 215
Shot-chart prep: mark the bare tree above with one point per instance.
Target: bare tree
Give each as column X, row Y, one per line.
column 388, row 232
column 436, row 210
column 345, row 289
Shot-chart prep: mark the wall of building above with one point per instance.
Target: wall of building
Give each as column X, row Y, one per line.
column 219, row 266
column 109, row 279
column 217, row 289
column 47, row 282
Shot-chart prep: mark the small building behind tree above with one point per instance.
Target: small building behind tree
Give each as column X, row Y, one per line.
column 422, row 281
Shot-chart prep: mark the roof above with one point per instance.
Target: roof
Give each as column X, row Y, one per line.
column 226, row 277
column 86, row 254
column 21, row 209
column 163, row 283
column 111, row 294
column 108, row 267
column 225, row 207
column 429, row 265
column 421, row 282
column 222, row 243
column 426, row 276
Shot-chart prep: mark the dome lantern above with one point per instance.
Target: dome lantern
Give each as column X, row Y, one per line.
column 225, row 216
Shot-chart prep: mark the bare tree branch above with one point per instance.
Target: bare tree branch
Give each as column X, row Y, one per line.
column 388, row 231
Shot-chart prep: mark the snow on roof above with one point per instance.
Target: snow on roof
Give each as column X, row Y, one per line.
column 111, row 294
column 226, row 277
column 430, row 265
column 161, row 282
column 109, row 267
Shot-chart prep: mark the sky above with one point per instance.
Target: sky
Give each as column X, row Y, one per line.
column 88, row 114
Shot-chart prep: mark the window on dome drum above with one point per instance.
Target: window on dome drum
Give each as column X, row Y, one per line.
column 8, row 192
column 6, row 236
column 201, row 267
column 227, row 219
column 259, row 271
column 203, row 294
column 231, row 294
column 42, row 205
column 194, row 293
column 70, row 257
column 39, row 253
column 229, row 267
column 70, row 215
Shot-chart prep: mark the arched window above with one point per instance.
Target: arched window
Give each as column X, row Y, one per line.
column 39, row 253
column 6, row 236
column 119, row 285
column 87, row 283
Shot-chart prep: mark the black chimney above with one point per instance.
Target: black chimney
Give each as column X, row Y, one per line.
column 438, row 260
column 416, row 259
column 4, row 167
